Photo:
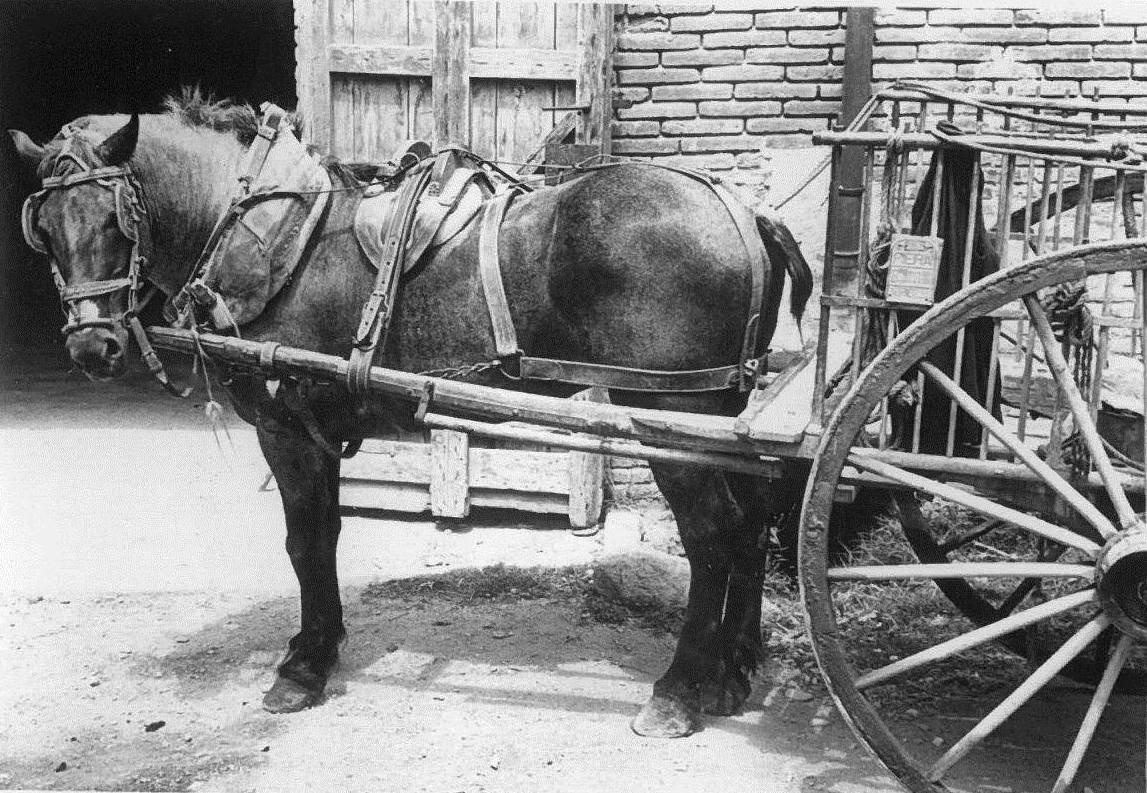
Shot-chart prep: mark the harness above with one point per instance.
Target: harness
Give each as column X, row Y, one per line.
column 131, row 217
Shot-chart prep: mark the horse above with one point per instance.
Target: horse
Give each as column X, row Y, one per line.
column 630, row 266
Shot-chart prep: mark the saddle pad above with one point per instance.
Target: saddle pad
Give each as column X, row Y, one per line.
column 438, row 219
column 259, row 251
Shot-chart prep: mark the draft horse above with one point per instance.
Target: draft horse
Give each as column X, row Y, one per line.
column 631, row 266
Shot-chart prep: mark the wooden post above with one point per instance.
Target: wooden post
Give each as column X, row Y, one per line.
column 449, row 474
column 451, row 86
column 312, row 71
column 595, row 74
column 849, row 187
column 587, row 472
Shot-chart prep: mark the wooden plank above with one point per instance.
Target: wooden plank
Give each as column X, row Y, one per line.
column 312, row 73
column 342, row 21
column 380, row 114
column 421, row 15
column 516, row 469
column 452, row 69
column 484, row 118
column 380, row 23
column 595, row 73
column 449, row 474
column 393, row 462
column 375, row 59
column 396, row 496
column 420, row 109
column 790, row 413
column 521, row 121
column 762, row 398
column 342, row 117
column 586, row 474
column 484, row 24
column 525, row 25
column 523, row 64
column 565, row 26
column 519, row 499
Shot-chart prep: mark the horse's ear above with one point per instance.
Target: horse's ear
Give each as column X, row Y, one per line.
column 26, row 148
column 120, row 145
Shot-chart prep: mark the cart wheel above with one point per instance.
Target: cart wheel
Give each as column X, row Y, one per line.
column 881, row 643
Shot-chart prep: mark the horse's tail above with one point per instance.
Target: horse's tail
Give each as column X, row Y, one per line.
column 783, row 247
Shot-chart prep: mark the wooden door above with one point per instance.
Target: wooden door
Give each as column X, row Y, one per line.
column 492, row 76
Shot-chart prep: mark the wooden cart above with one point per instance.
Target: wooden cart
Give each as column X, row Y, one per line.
column 996, row 419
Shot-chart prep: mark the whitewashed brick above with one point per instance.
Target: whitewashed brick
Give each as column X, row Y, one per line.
column 955, row 51
column 701, row 57
column 635, row 60
column 775, row 90
column 815, row 38
column 709, row 22
column 658, row 41
column 1051, row 52
column 800, row 107
column 1058, row 16
column 742, row 38
column 999, row 70
column 900, row 17
column 716, row 143
column 963, row 17
column 814, row 73
column 703, row 126
column 1109, row 33
column 789, row 20
column 1083, row 71
column 657, row 76
column 742, row 73
column 645, row 146
column 694, row 91
column 786, row 55
column 658, row 110
column 635, row 129
column 741, row 109
column 912, row 71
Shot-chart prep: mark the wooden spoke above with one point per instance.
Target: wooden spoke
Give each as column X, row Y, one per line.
column 977, row 637
column 897, row 572
column 1094, row 712
column 1079, row 411
column 1024, row 452
column 859, row 459
column 1025, row 691
column 1008, row 605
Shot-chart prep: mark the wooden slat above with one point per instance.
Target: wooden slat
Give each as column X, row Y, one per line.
column 534, row 162
column 342, row 21
column 526, row 24
column 790, row 412
column 516, row 469
column 523, row 64
column 483, row 24
column 421, row 24
column 595, row 71
column 521, row 122
column 390, row 461
column 484, row 118
column 380, row 23
column 452, row 65
column 312, row 72
column 521, row 500
column 586, row 474
column 760, row 399
column 449, row 474
column 380, row 117
column 420, row 109
column 396, row 496
column 375, row 59
column 342, row 119
column 565, row 26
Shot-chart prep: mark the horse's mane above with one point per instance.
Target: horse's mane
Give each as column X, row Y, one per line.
column 196, row 109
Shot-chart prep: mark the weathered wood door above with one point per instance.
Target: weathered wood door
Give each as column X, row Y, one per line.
column 486, row 75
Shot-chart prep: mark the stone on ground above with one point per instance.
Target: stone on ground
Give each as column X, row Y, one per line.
column 643, row 580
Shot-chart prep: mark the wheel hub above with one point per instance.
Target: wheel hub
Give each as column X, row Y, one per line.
column 1121, row 580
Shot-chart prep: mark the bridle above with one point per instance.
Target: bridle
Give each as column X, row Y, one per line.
column 132, row 220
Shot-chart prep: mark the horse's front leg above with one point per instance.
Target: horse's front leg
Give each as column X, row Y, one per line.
column 308, row 480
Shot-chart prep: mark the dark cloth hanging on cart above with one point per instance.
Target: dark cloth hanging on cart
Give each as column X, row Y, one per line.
column 955, row 199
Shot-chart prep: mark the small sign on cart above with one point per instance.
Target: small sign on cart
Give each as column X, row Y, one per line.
column 913, row 264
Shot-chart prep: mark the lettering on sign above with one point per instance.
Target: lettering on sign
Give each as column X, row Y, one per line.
column 913, row 263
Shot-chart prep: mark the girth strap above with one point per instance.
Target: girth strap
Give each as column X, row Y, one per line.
column 505, row 337
column 376, row 313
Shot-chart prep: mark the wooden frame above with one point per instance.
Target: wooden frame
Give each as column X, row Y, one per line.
column 451, row 63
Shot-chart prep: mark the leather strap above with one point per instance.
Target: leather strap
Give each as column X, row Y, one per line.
column 376, row 312
column 261, row 146
column 624, row 378
column 490, row 268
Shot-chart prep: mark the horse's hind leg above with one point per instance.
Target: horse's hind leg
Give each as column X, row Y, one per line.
column 720, row 643
column 308, row 483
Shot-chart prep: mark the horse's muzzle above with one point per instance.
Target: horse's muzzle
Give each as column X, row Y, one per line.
column 99, row 352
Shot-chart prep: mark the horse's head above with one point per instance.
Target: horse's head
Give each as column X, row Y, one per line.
column 87, row 220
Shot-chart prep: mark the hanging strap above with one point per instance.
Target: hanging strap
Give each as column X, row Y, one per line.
column 376, row 313
column 505, row 337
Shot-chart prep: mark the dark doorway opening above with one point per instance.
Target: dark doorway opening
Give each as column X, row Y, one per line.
column 60, row 59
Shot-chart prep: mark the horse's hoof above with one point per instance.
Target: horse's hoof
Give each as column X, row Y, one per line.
column 726, row 696
column 287, row 696
column 665, row 717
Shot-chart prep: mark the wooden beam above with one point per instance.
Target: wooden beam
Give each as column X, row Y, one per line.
column 523, row 64
column 451, row 86
column 312, row 72
column 535, row 161
column 389, row 60
column 449, row 474
column 595, row 74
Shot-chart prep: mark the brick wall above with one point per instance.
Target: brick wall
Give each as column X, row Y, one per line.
column 718, row 87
